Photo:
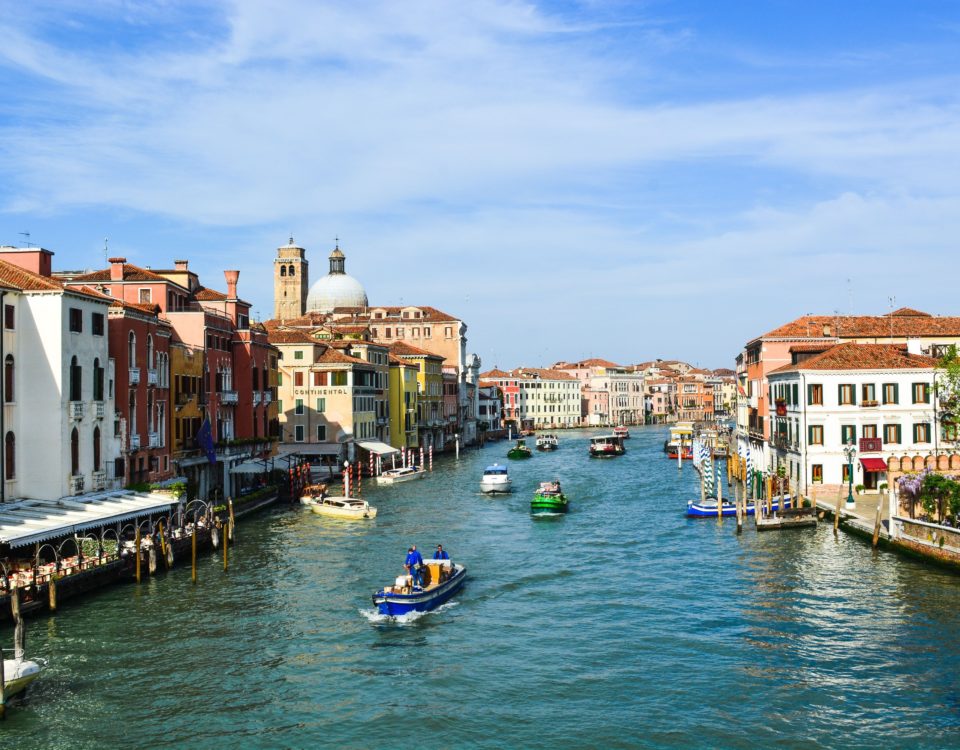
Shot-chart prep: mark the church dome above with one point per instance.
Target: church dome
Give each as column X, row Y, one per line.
column 336, row 289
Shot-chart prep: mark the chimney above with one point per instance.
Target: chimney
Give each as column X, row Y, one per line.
column 116, row 268
column 913, row 345
column 181, row 265
column 231, row 277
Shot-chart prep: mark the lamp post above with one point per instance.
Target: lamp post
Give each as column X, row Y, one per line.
column 850, row 452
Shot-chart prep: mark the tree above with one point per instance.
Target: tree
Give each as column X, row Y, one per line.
column 948, row 391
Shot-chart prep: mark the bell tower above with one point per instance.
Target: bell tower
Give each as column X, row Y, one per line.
column 290, row 282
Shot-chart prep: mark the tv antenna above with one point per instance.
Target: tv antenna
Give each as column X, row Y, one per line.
column 27, row 235
column 106, row 249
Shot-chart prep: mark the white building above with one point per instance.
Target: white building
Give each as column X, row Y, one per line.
column 624, row 395
column 877, row 397
column 59, row 426
column 548, row 398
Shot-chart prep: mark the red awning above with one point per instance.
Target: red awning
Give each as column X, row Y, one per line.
column 873, row 464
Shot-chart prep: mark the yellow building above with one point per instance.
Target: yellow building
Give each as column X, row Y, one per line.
column 403, row 403
column 186, row 381
column 430, row 419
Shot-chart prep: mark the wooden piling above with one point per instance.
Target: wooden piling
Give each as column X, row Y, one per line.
column 720, row 500
column 736, row 500
column 877, row 523
column 193, row 552
column 163, row 545
column 3, row 685
column 836, row 514
column 52, row 592
column 226, row 546
column 230, row 510
column 136, row 546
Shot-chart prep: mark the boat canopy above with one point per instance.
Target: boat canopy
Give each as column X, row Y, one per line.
column 29, row 521
column 375, row 446
column 495, row 469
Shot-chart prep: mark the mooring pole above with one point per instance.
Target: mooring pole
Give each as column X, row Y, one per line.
column 193, row 552
column 136, row 545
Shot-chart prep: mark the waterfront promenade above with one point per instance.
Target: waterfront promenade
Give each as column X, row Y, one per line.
column 623, row 624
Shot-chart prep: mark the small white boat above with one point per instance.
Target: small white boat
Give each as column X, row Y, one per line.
column 401, row 474
column 547, row 443
column 18, row 673
column 344, row 507
column 496, row 479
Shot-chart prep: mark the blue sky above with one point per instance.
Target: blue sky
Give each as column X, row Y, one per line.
column 621, row 179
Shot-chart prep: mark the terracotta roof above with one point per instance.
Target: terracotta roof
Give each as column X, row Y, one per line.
column 863, row 326
column 130, row 273
column 907, row 312
column 403, row 349
column 310, row 320
column 852, row 356
column 542, row 373
column 333, row 357
column 428, row 314
column 27, row 281
column 595, row 362
column 209, row 295
column 494, row 373
column 289, row 337
column 815, row 348
column 724, row 372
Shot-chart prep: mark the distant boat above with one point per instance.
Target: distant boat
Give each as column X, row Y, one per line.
column 401, row 474
column 520, row 450
column 547, row 443
column 621, row 432
column 496, row 480
column 708, row 508
column 606, row 446
column 349, row 508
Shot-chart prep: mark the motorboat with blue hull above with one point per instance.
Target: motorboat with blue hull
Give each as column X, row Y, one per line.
column 443, row 579
column 708, row 508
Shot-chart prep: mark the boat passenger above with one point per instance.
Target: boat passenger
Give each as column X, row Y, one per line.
column 413, row 564
column 441, row 553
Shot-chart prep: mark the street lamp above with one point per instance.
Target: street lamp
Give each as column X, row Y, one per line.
column 850, row 452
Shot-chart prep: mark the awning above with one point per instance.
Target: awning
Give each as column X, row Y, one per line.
column 310, row 449
column 251, row 467
column 873, row 464
column 28, row 521
column 375, row 446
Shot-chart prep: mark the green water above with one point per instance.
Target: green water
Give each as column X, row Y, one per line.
column 621, row 624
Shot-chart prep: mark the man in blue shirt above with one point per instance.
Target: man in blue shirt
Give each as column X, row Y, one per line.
column 412, row 564
column 441, row 553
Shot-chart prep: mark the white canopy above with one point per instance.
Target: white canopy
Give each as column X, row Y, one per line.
column 310, row 449
column 251, row 467
column 28, row 521
column 375, row 446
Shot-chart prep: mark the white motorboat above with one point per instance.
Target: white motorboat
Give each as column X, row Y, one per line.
column 344, row 507
column 18, row 673
column 496, row 479
column 547, row 443
column 400, row 474
column 313, row 494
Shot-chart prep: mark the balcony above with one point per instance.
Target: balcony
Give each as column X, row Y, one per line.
column 869, row 403
column 871, row 445
column 151, row 377
column 228, row 397
column 183, row 399
column 267, row 397
column 76, row 485
column 134, row 376
column 135, row 442
column 153, row 439
column 98, row 409
column 99, row 481
column 75, row 409
column 256, row 398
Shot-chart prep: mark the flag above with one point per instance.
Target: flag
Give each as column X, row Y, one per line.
column 205, row 440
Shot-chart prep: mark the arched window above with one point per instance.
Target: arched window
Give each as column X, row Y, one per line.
column 10, row 456
column 149, row 352
column 97, row 381
column 132, row 416
column 132, row 349
column 291, row 271
column 283, row 270
column 96, row 448
column 76, row 377
column 8, row 379
column 75, row 452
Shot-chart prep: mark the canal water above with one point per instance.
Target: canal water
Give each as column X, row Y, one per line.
column 620, row 625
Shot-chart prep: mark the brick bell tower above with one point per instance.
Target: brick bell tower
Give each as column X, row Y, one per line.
column 290, row 282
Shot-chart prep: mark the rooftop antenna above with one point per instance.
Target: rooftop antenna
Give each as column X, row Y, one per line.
column 892, row 300
column 27, row 235
column 106, row 250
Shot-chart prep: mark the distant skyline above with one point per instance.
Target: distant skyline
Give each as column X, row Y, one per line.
column 626, row 180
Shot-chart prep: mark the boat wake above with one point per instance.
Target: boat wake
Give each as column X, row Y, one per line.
column 376, row 618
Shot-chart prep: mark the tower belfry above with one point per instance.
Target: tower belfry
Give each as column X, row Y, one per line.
column 290, row 281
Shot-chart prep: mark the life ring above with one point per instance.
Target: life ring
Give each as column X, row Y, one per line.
column 214, row 537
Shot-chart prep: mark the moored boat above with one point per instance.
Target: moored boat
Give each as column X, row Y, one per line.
column 401, row 474
column 547, row 443
column 708, row 508
column 18, row 673
column 606, row 446
column 621, row 432
column 312, row 494
column 549, row 498
column 350, row 508
column 496, row 479
column 681, row 439
column 520, row 450
column 443, row 580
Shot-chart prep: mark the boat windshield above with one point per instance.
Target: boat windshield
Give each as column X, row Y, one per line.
column 495, row 470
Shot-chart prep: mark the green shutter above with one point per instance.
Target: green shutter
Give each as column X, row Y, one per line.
column 809, row 395
column 896, row 396
column 916, row 432
column 926, row 394
column 899, row 435
column 839, row 395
